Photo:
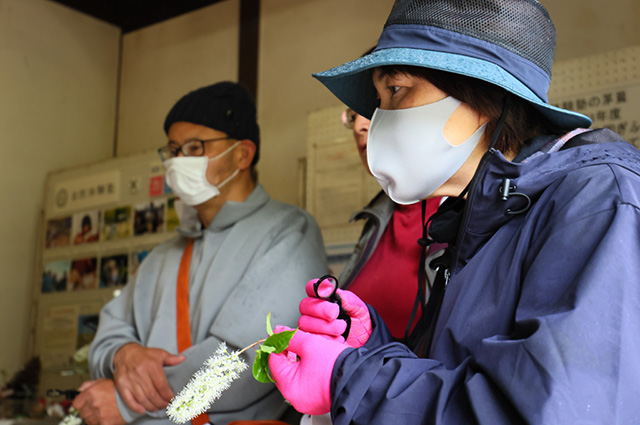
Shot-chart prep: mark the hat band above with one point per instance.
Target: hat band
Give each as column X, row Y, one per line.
column 423, row 37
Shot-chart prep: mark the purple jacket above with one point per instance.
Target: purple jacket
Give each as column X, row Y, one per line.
column 540, row 322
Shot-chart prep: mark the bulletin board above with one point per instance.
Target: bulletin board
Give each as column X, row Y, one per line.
column 605, row 87
column 337, row 183
column 99, row 222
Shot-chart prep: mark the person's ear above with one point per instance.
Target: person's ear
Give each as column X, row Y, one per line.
column 246, row 152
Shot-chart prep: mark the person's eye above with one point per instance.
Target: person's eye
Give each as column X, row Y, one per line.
column 173, row 150
column 393, row 89
column 192, row 148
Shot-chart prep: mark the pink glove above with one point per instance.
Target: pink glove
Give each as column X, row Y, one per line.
column 320, row 316
column 305, row 382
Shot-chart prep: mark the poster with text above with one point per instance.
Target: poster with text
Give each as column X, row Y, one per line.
column 59, row 335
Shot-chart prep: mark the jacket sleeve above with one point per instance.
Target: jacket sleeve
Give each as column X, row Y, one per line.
column 116, row 328
column 293, row 253
column 571, row 355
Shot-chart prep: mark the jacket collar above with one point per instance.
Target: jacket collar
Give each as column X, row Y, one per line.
column 232, row 212
column 487, row 211
column 380, row 208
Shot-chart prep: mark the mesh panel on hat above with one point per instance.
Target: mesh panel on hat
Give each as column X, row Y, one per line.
column 520, row 26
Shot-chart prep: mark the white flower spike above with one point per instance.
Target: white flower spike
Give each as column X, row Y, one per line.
column 72, row 418
column 207, row 385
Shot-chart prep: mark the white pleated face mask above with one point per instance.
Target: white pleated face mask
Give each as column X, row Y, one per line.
column 408, row 153
column 187, row 177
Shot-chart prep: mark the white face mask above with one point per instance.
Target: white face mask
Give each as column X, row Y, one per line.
column 187, row 177
column 408, row 153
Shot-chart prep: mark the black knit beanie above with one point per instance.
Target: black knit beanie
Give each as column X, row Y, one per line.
column 224, row 106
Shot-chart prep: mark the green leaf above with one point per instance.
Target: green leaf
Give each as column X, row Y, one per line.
column 276, row 343
column 279, row 341
column 269, row 330
column 261, row 367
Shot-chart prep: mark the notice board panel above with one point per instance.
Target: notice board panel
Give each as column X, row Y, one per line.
column 98, row 223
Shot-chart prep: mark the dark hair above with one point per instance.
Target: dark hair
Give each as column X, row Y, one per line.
column 522, row 121
column 86, row 221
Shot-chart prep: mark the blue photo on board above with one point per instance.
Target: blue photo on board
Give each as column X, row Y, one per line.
column 55, row 276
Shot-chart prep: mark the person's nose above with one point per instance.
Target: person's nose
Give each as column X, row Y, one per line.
column 361, row 128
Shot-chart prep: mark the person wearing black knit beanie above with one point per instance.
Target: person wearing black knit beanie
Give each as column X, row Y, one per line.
column 211, row 284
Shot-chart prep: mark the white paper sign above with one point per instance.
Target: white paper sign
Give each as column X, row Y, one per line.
column 87, row 192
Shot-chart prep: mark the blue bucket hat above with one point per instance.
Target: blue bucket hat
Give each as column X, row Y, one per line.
column 509, row 43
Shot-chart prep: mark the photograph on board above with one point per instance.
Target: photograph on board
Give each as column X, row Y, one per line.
column 84, row 274
column 58, row 232
column 85, row 227
column 55, row 276
column 87, row 328
column 113, row 270
column 148, row 217
column 117, row 223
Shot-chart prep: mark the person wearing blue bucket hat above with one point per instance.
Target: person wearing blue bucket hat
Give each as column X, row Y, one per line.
column 534, row 314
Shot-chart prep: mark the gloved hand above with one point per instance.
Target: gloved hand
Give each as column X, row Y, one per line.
column 320, row 316
column 305, row 382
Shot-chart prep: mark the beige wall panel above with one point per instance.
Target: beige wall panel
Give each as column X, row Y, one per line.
column 588, row 27
column 299, row 37
column 58, row 103
column 162, row 62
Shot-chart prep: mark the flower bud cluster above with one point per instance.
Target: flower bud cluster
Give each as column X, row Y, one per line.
column 206, row 385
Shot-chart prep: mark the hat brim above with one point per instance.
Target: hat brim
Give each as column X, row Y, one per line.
column 352, row 82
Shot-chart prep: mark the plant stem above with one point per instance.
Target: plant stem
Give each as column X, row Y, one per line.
column 252, row 345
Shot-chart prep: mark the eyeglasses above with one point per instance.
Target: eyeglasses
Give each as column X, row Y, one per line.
column 349, row 118
column 194, row 147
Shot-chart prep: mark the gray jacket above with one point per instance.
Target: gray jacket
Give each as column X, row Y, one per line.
column 254, row 258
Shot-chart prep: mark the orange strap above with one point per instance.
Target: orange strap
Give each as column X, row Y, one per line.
column 183, row 332
column 201, row 419
column 182, row 299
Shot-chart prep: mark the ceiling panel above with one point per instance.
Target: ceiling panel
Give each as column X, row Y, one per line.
column 131, row 15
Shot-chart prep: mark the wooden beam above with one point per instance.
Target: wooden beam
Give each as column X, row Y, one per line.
column 249, row 45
